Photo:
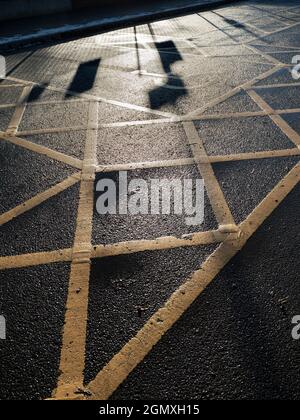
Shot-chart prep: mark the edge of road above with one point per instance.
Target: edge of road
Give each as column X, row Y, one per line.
column 73, row 31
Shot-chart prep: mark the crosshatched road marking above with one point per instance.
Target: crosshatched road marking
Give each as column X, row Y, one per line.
column 118, row 369
column 74, row 338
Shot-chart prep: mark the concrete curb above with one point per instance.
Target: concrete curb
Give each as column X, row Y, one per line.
column 67, row 32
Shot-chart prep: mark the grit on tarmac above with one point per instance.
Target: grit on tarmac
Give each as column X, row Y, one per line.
column 146, row 307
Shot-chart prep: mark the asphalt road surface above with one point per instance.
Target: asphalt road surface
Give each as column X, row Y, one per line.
column 146, row 306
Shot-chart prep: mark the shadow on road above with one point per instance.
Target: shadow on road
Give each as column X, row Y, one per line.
column 84, row 78
column 174, row 88
column 37, row 92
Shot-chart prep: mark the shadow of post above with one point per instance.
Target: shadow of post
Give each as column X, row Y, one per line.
column 84, row 78
column 174, row 88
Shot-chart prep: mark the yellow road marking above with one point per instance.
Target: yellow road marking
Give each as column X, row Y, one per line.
column 82, row 252
column 39, row 258
column 68, row 160
column 52, row 130
column 97, row 98
column 57, row 102
column 134, row 352
column 265, row 55
column 277, row 119
column 19, row 111
column 39, row 198
column 10, row 86
column 74, row 334
column 215, row 194
column 257, row 38
column 277, row 85
column 198, row 112
column 4, row 106
column 168, row 242
column 146, row 165
column 201, row 117
column 191, row 161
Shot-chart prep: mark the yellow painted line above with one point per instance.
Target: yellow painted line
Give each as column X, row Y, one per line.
column 146, row 165
column 255, row 155
column 262, row 54
column 284, row 48
column 220, row 116
column 272, row 16
column 39, row 258
column 56, row 102
column 191, row 161
column 260, row 102
column 247, row 24
column 10, row 86
column 141, row 122
column 126, row 105
column 287, row 129
column 249, row 114
column 214, row 191
column 74, row 334
column 277, row 119
column 194, row 46
column 4, row 106
column 52, row 130
column 199, row 117
column 72, row 357
column 168, row 242
column 194, row 114
column 19, row 111
column 278, row 85
column 134, row 352
column 68, row 160
column 287, row 111
column 274, row 32
column 39, row 198
column 97, row 98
